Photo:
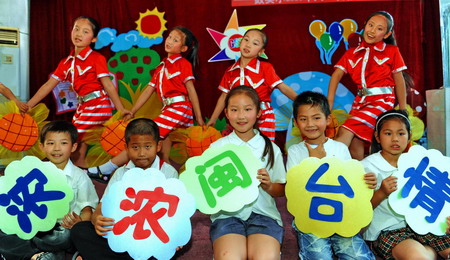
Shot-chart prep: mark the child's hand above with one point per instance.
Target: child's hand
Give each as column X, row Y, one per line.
column 371, row 180
column 126, row 113
column 128, row 117
column 318, row 152
column 389, row 185
column 70, row 219
column 100, row 223
column 23, row 107
column 264, row 178
column 200, row 122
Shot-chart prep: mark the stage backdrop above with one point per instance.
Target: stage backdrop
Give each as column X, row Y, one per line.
column 291, row 48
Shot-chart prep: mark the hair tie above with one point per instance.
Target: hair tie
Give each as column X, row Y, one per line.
column 391, row 114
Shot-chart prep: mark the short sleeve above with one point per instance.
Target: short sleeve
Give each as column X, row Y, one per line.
column 60, row 73
column 343, row 62
column 270, row 75
column 186, row 70
column 398, row 62
column 224, row 85
column 101, row 67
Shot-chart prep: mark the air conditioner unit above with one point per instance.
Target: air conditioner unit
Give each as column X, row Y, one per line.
column 9, row 37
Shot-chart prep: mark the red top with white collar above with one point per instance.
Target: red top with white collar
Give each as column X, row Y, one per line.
column 258, row 74
column 88, row 67
column 372, row 65
column 171, row 76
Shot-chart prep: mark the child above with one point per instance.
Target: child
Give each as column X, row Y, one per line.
column 9, row 95
column 88, row 72
column 255, row 231
column 375, row 66
column 311, row 115
column 260, row 75
column 58, row 141
column 392, row 237
column 142, row 144
column 173, row 81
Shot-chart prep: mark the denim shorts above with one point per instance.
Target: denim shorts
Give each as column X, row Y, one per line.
column 345, row 248
column 255, row 224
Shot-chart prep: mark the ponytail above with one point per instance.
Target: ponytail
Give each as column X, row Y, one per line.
column 268, row 150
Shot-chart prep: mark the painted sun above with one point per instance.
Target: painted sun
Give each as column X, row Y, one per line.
column 151, row 24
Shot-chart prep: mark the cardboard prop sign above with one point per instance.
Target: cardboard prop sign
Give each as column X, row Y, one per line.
column 223, row 178
column 33, row 196
column 329, row 196
column 151, row 213
column 423, row 194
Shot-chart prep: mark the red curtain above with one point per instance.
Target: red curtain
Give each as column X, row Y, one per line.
column 291, row 49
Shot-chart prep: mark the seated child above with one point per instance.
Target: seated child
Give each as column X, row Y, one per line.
column 58, row 141
column 393, row 238
column 311, row 116
column 256, row 230
column 142, row 144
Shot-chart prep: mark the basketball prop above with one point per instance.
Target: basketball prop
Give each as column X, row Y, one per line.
column 151, row 213
column 33, row 196
column 222, row 178
column 199, row 139
column 19, row 134
column 329, row 196
column 423, row 194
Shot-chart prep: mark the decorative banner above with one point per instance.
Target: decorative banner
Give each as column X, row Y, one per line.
column 19, row 134
column 329, row 196
column 423, row 194
column 151, row 26
column 65, row 97
column 230, row 40
column 33, row 195
column 235, row 3
column 223, row 178
column 151, row 213
column 328, row 41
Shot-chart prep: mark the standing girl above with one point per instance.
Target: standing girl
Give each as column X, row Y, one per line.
column 393, row 238
column 88, row 72
column 375, row 66
column 260, row 75
column 173, row 81
column 255, row 231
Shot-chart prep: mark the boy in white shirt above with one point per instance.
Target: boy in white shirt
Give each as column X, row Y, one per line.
column 142, row 144
column 58, row 141
column 312, row 115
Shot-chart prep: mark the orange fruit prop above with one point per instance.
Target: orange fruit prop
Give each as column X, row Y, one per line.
column 113, row 137
column 199, row 139
column 17, row 132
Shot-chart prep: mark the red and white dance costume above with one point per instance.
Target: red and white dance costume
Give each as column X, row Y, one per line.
column 371, row 68
column 262, row 77
column 84, row 72
column 169, row 80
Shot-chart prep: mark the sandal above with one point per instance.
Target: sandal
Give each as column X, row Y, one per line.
column 98, row 176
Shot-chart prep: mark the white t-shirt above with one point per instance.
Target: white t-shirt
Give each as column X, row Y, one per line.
column 84, row 193
column 384, row 218
column 265, row 203
column 165, row 168
column 298, row 152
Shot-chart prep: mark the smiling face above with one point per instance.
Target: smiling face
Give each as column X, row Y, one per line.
column 142, row 150
column 393, row 137
column 252, row 44
column 312, row 122
column 242, row 114
column 82, row 34
column 174, row 43
column 376, row 29
column 58, row 148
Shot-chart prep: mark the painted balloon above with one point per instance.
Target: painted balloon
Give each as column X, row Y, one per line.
column 317, row 28
column 336, row 31
column 326, row 41
column 349, row 26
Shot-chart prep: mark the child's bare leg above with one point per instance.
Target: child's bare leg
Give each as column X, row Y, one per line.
column 345, row 136
column 445, row 254
column 411, row 249
column 165, row 151
column 261, row 246
column 79, row 156
column 357, row 149
column 230, row 246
